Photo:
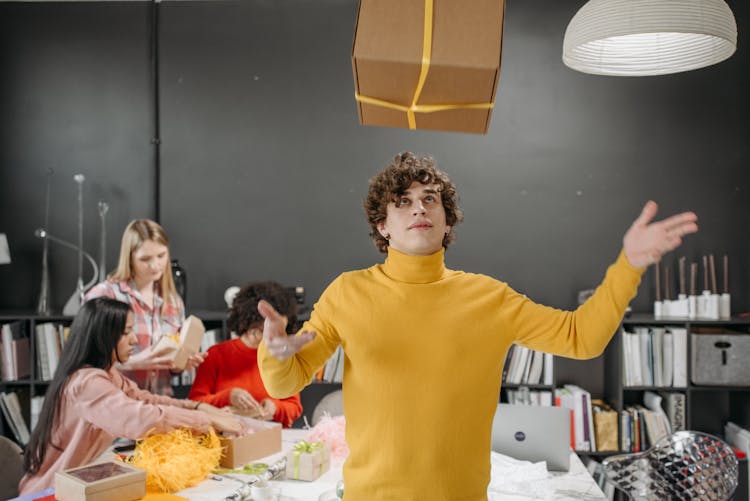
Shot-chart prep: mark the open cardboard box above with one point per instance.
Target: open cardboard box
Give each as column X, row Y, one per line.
column 264, row 441
column 189, row 342
column 464, row 64
column 106, row 481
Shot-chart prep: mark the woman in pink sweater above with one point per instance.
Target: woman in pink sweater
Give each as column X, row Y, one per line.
column 89, row 403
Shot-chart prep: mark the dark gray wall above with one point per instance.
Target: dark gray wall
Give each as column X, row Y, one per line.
column 264, row 165
column 74, row 97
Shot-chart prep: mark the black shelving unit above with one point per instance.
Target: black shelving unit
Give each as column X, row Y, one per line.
column 707, row 408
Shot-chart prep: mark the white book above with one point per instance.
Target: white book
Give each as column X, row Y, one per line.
column 36, row 408
column 535, row 369
column 657, row 342
column 527, row 366
column 53, row 348
column 654, row 402
column 679, row 353
column 675, row 403
column 647, row 366
column 41, row 354
column 625, row 358
column 737, row 436
column 511, row 360
column 523, row 355
column 330, row 368
column 18, row 425
column 7, row 344
column 548, row 373
column 668, row 359
column 634, row 359
column 209, row 339
column 338, row 376
column 579, row 422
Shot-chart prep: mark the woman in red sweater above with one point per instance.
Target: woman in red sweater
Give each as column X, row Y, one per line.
column 230, row 376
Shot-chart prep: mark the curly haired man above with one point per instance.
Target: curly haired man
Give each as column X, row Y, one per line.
column 424, row 345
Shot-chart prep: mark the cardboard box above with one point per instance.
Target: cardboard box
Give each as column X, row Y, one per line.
column 189, row 342
column 265, row 440
column 463, row 68
column 107, row 481
column 308, row 461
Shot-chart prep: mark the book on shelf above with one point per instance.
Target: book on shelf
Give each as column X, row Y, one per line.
column 15, row 352
column 679, row 347
column 564, row 398
column 675, row 408
column 527, row 366
column 333, row 370
column 582, row 415
column 653, row 402
column 737, row 436
column 50, row 339
column 667, row 353
column 11, row 409
column 654, row 356
column 525, row 396
column 36, row 408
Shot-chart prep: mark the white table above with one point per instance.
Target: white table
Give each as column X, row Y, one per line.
column 575, row 485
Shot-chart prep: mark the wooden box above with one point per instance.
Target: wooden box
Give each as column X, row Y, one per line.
column 107, row 481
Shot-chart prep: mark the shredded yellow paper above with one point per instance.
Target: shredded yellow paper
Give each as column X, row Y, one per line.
column 176, row 460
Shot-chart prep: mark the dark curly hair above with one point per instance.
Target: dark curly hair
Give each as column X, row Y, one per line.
column 388, row 185
column 244, row 311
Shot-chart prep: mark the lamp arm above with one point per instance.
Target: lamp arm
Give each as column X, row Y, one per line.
column 41, row 233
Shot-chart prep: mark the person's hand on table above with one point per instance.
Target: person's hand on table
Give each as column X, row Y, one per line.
column 243, row 401
column 267, row 409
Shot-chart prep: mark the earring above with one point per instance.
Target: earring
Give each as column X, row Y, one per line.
column 387, row 236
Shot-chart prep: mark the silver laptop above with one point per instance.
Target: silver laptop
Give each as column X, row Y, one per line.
column 533, row 433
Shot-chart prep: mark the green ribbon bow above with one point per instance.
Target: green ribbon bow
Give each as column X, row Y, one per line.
column 305, row 447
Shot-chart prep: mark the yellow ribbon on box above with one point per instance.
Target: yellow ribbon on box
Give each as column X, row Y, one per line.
column 305, row 447
column 425, row 68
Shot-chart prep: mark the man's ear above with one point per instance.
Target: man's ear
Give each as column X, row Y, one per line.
column 447, row 229
column 382, row 230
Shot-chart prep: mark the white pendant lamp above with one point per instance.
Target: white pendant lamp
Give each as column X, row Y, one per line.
column 649, row 37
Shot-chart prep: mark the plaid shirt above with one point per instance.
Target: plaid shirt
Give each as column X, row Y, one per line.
column 150, row 325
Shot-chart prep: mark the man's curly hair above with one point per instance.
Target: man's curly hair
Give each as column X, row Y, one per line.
column 244, row 311
column 388, row 185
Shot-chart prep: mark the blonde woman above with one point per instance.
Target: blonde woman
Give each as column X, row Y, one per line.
column 143, row 279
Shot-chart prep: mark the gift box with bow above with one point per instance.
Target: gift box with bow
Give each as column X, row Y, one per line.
column 308, row 460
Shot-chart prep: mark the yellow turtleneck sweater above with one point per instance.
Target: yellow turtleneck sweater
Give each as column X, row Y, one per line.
column 424, row 350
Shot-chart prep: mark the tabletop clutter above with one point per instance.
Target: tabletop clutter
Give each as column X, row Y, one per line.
column 170, row 462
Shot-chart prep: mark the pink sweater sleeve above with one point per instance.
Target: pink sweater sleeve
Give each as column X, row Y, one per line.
column 131, row 389
column 126, row 413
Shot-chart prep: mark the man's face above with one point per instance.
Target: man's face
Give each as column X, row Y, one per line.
column 415, row 222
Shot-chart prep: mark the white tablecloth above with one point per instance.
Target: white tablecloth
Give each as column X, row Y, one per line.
column 575, row 485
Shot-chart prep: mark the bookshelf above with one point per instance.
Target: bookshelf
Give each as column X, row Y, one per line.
column 706, row 407
column 31, row 384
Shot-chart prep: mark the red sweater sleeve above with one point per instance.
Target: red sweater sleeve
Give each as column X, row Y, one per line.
column 287, row 410
column 206, row 377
